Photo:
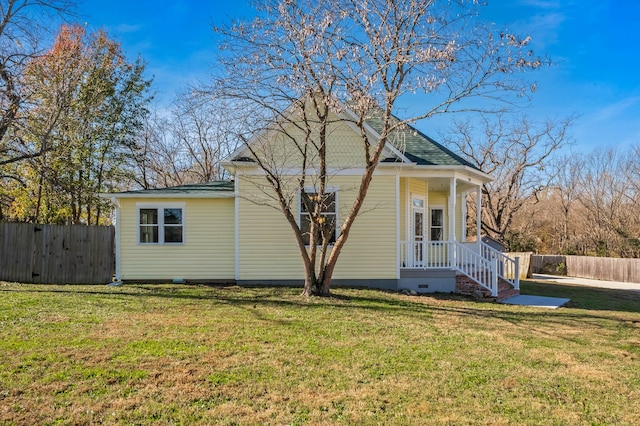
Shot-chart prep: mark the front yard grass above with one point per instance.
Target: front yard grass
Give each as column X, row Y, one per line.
column 143, row 354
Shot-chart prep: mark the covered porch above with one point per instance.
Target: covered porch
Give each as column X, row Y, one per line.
column 433, row 255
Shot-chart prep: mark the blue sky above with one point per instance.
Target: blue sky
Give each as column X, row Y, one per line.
column 594, row 45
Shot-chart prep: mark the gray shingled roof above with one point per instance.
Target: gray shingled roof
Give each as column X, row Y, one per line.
column 420, row 148
column 220, row 188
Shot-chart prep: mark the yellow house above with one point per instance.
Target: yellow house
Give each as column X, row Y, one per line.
column 410, row 235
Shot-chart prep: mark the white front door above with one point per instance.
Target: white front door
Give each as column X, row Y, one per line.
column 418, row 228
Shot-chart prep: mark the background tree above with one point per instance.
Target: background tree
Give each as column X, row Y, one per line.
column 185, row 145
column 23, row 26
column 608, row 204
column 518, row 153
column 290, row 69
column 87, row 107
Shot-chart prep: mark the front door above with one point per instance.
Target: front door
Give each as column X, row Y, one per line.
column 417, row 225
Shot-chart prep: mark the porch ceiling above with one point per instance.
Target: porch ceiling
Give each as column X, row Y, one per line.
column 442, row 184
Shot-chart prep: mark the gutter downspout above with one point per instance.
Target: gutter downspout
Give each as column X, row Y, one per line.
column 236, row 203
column 115, row 202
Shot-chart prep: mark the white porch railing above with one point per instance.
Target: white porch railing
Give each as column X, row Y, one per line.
column 508, row 269
column 483, row 266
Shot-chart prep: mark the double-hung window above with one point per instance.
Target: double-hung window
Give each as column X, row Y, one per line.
column 161, row 224
column 327, row 216
column 437, row 224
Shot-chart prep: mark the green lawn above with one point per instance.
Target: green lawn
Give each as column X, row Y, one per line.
column 227, row 355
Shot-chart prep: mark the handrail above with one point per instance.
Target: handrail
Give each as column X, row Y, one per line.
column 477, row 267
column 508, row 268
column 451, row 254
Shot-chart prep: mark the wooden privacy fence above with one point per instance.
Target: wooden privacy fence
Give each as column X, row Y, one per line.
column 598, row 268
column 525, row 263
column 56, row 254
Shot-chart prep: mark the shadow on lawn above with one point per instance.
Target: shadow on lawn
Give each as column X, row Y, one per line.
column 590, row 298
column 410, row 308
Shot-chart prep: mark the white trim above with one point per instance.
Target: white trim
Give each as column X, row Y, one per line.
column 336, row 198
column 398, row 253
column 465, row 173
column 463, row 216
column 236, row 230
column 412, row 228
column 444, row 222
column 478, row 216
column 117, row 238
column 407, row 197
column 161, row 206
column 159, row 196
column 419, row 257
column 452, row 209
column 385, row 169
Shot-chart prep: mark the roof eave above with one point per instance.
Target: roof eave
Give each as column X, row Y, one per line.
column 484, row 177
column 165, row 195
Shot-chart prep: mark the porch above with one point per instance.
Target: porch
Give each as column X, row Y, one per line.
column 432, row 255
column 450, row 266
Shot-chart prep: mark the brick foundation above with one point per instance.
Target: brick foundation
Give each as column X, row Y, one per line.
column 468, row 286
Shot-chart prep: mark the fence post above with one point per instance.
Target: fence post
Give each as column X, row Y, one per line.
column 516, row 280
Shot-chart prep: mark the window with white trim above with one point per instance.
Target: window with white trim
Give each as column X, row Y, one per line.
column 160, row 224
column 327, row 216
column 436, row 228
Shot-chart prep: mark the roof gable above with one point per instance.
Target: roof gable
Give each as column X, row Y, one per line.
column 405, row 144
column 342, row 127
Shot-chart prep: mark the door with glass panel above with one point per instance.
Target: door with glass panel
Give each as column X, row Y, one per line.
column 417, row 227
column 438, row 254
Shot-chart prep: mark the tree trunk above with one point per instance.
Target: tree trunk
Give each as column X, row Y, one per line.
column 314, row 287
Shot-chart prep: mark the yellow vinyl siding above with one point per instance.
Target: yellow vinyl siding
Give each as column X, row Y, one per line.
column 266, row 243
column 417, row 187
column 208, row 251
column 439, row 199
column 370, row 252
column 267, row 247
column 344, row 147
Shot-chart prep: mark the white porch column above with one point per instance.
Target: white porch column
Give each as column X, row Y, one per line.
column 478, row 214
column 452, row 209
column 398, row 250
column 463, row 216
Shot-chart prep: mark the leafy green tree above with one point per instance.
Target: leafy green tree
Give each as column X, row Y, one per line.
column 88, row 105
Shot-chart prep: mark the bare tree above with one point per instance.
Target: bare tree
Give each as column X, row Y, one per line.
column 608, row 204
column 568, row 188
column 518, row 154
column 289, row 74
column 185, row 144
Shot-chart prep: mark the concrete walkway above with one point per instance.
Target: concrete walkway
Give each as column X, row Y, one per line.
column 616, row 285
column 535, row 301
column 556, row 302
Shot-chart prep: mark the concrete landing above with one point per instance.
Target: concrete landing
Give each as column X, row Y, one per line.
column 535, row 301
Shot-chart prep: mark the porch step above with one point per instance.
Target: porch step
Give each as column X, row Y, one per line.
column 507, row 293
column 469, row 287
